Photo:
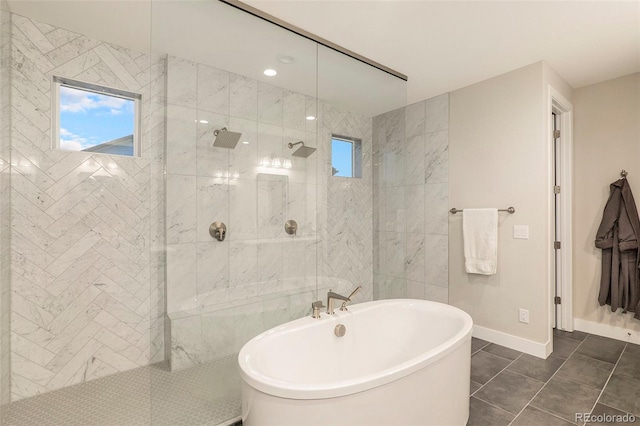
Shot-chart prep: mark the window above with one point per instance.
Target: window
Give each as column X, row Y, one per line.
column 94, row 118
column 346, row 156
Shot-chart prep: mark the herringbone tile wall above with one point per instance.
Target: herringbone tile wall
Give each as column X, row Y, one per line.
column 345, row 215
column 86, row 240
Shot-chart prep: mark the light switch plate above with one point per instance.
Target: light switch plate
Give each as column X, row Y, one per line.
column 521, row 232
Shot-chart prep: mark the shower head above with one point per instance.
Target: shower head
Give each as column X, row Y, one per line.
column 226, row 138
column 303, row 151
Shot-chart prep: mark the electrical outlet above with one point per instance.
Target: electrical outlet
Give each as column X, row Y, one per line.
column 521, row 232
column 524, row 316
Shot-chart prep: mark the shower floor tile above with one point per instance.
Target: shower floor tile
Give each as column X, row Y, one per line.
column 208, row 394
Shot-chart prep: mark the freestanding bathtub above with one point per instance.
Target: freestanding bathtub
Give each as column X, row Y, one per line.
column 400, row 362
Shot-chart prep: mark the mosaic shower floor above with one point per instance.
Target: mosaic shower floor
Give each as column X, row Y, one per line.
column 208, row 394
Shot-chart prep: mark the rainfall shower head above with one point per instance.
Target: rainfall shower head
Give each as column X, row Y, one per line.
column 226, row 138
column 303, row 151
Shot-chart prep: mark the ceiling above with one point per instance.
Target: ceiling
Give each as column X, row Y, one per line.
column 216, row 34
column 445, row 45
column 439, row 45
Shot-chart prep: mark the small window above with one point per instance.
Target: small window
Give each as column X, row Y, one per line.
column 346, row 156
column 93, row 118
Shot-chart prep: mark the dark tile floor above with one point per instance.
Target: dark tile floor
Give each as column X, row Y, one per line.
column 584, row 374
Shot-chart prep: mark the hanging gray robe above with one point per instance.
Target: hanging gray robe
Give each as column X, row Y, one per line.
column 617, row 236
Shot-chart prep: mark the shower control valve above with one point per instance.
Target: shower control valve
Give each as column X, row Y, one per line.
column 218, row 230
column 291, row 227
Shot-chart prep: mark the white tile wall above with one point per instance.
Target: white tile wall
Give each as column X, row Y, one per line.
column 345, row 208
column 411, row 201
column 87, row 241
column 243, row 97
column 258, row 259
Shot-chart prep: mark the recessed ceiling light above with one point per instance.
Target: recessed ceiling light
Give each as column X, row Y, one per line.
column 310, row 117
column 285, row 59
column 270, row 72
column 245, row 142
column 204, row 122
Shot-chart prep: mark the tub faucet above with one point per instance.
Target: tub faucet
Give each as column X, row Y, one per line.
column 331, row 296
column 353, row 293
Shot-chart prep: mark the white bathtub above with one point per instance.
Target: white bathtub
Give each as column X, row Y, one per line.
column 401, row 362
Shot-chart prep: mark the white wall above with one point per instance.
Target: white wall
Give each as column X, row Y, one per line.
column 606, row 140
column 499, row 157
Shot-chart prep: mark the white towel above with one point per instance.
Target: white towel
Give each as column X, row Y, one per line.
column 480, row 233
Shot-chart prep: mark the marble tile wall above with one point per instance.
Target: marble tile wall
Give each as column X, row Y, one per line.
column 87, row 282
column 5, row 205
column 345, row 215
column 207, row 184
column 259, row 268
column 209, row 335
column 411, row 200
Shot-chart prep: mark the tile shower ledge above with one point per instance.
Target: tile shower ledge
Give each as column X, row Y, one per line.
column 227, row 305
column 290, row 287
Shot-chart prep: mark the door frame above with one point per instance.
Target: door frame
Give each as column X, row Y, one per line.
column 564, row 110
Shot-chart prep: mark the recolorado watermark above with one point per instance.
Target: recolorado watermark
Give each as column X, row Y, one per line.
column 605, row 418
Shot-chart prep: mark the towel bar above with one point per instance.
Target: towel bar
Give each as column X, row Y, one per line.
column 511, row 210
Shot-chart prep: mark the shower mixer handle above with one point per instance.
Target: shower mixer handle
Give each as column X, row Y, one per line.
column 218, row 230
column 291, row 227
column 316, row 306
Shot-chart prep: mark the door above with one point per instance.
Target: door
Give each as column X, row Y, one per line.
column 557, row 208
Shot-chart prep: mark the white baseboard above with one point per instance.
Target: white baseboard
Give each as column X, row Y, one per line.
column 625, row 334
column 541, row 350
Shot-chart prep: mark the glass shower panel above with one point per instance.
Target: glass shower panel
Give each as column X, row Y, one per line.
column 5, row 207
column 220, row 294
column 78, row 237
column 351, row 96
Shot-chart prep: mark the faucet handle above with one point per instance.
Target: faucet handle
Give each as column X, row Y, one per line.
column 316, row 306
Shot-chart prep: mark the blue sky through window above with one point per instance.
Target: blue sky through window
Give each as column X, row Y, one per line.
column 342, row 157
column 88, row 119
